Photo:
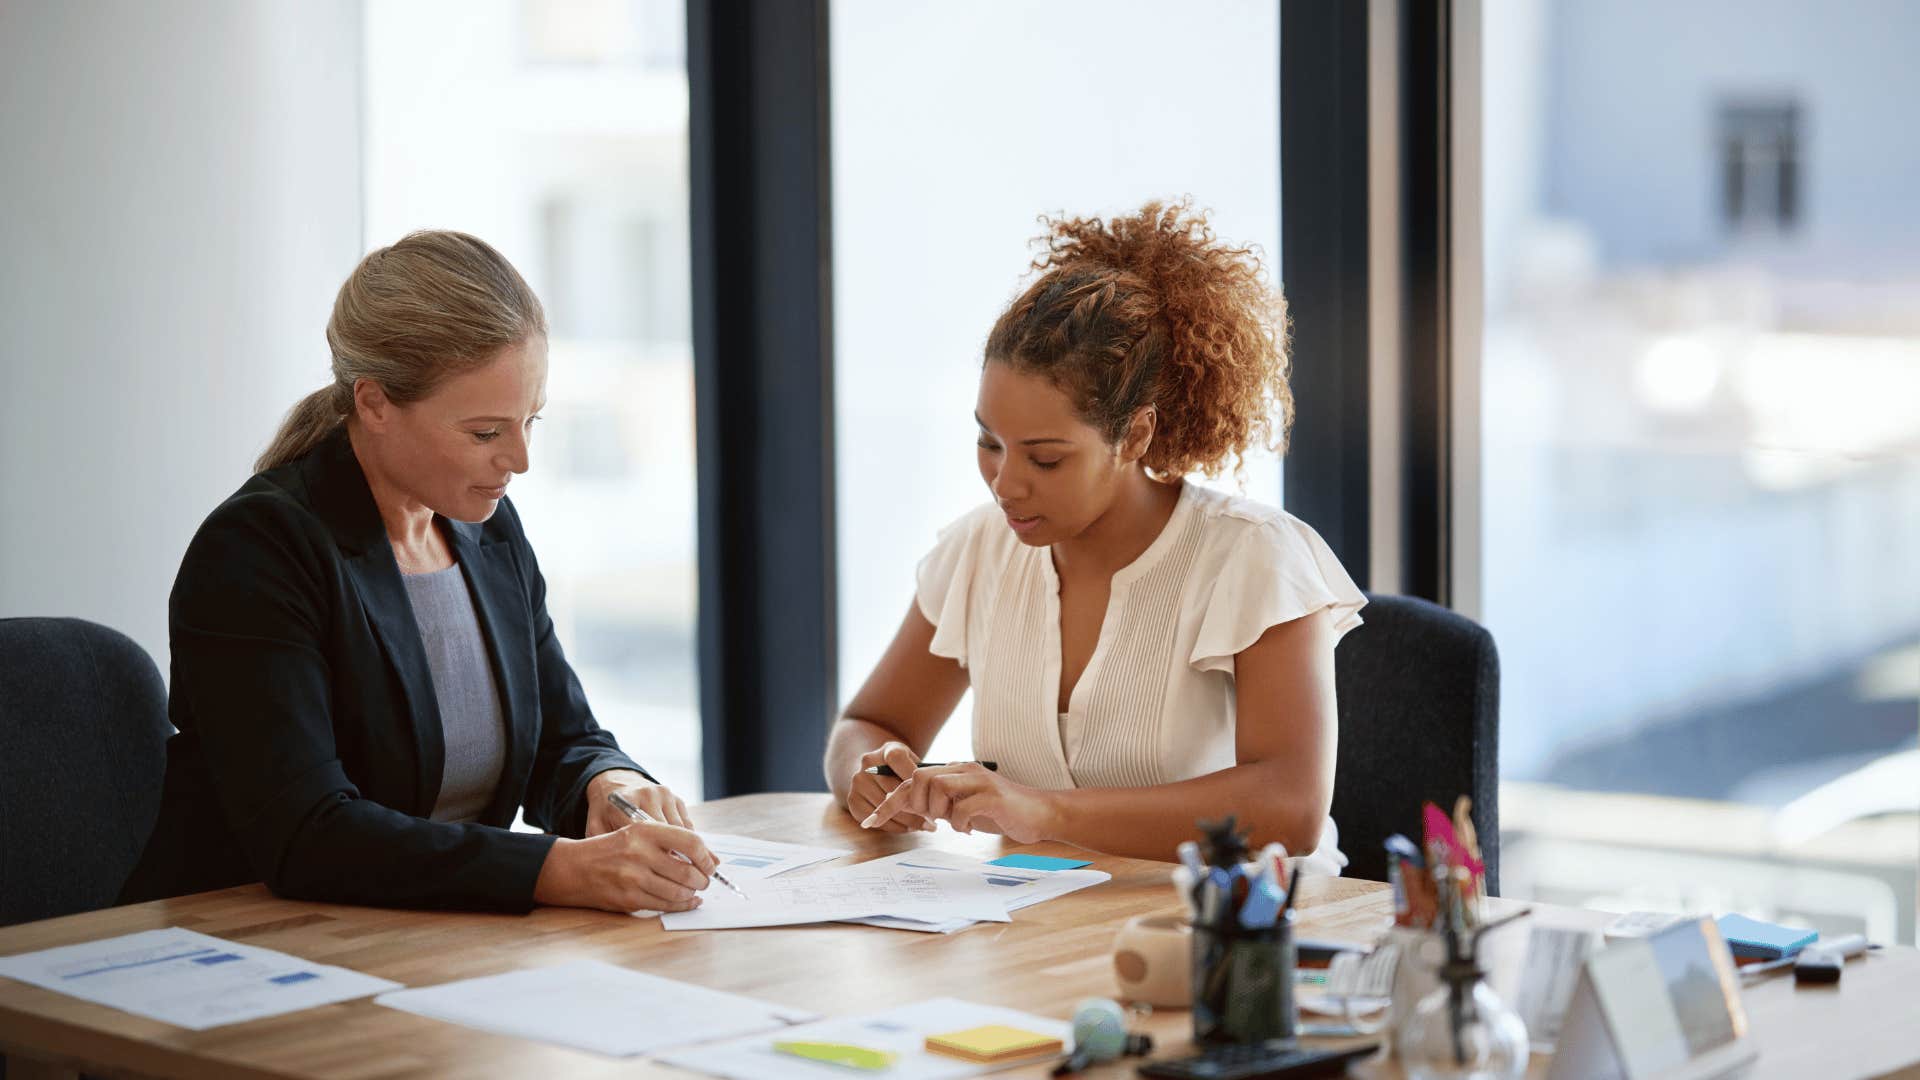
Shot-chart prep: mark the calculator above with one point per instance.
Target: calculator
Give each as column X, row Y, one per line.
column 1247, row 1061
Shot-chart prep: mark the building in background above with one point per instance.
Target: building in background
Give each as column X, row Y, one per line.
column 1701, row 474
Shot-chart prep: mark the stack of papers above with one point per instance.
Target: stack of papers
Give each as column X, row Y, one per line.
column 844, row 893
column 590, row 1005
column 188, row 979
column 902, row 1031
column 928, row 891
column 1014, row 886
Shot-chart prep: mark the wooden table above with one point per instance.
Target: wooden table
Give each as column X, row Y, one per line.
column 1050, row 957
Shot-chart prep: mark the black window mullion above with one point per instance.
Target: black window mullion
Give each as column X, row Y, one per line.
column 763, row 383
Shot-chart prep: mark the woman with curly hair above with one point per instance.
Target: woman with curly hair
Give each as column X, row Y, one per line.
column 1143, row 652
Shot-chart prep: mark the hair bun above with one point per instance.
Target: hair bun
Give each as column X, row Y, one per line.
column 1207, row 330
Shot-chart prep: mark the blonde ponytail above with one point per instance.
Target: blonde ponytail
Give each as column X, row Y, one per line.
column 313, row 419
column 434, row 305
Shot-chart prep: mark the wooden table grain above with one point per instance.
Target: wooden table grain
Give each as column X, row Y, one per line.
column 1048, row 959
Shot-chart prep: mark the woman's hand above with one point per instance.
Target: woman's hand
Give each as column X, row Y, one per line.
column 867, row 791
column 971, row 797
column 630, row 869
column 659, row 803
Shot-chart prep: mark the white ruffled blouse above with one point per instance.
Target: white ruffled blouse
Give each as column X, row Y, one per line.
column 1155, row 704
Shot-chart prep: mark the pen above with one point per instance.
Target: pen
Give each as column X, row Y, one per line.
column 887, row 770
column 638, row 814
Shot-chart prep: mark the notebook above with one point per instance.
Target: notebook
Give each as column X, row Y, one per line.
column 1752, row 939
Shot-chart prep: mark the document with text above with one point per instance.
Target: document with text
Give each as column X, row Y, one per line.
column 837, row 894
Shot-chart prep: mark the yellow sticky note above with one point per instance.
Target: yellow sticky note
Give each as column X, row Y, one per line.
column 993, row 1042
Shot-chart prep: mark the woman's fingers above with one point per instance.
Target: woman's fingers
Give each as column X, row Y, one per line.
column 902, row 799
column 869, row 792
column 900, row 758
column 929, row 795
column 648, row 891
column 657, row 845
column 679, row 815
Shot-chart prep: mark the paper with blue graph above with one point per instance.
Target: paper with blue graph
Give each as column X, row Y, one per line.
column 189, row 979
column 743, row 857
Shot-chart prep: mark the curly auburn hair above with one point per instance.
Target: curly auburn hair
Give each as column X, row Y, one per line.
column 1150, row 309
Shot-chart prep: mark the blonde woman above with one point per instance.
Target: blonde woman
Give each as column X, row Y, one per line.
column 366, row 682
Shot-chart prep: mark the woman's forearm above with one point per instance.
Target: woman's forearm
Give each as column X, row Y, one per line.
column 1150, row 822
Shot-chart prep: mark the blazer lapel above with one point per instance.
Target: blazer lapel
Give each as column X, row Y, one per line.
column 376, row 577
column 340, row 496
column 501, row 605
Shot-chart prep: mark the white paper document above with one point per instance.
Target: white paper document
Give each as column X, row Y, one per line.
column 591, row 1005
column 836, row 894
column 746, row 857
column 902, row 1031
column 189, row 979
column 1016, row 887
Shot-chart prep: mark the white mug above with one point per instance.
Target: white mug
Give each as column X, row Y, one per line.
column 1153, row 960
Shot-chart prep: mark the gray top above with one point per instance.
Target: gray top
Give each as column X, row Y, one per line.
column 470, row 717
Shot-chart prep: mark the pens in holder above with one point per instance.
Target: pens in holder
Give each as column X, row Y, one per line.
column 887, row 770
column 636, row 814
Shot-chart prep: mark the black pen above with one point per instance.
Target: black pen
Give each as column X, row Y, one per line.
column 887, row 770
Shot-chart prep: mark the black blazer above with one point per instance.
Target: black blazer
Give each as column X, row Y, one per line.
column 310, row 747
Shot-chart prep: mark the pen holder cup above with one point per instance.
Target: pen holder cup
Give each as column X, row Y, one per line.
column 1243, row 983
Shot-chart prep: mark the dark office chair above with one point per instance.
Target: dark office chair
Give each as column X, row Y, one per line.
column 1419, row 690
column 83, row 724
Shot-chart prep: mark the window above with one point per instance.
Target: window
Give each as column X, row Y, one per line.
column 557, row 131
column 1701, row 468
column 954, row 127
column 1759, row 166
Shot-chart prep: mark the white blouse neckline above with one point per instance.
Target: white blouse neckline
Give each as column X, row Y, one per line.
column 1123, row 578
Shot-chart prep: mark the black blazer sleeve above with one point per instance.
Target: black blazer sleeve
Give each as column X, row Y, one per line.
column 248, row 621
column 573, row 747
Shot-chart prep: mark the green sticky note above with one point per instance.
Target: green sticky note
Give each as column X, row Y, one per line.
column 844, row 1054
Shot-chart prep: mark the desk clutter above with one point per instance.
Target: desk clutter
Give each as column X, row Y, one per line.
column 1255, row 988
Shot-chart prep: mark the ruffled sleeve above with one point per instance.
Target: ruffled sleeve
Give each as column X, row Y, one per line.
column 1278, row 572
column 944, row 585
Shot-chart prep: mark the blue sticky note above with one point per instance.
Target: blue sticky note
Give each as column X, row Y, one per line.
column 1762, row 940
column 1038, row 862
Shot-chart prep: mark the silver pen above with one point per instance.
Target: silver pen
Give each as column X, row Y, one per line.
column 638, row 814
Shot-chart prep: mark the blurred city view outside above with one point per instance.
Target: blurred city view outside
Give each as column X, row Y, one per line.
column 556, row 130
column 1701, row 471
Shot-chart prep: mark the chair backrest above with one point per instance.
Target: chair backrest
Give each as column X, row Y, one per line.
column 83, row 723
column 1419, row 698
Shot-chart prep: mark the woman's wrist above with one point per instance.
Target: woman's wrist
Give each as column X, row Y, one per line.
column 554, row 886
column 1060, row 817
column 613, row 780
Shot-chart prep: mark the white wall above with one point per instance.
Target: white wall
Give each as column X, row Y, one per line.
column 179, row 200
